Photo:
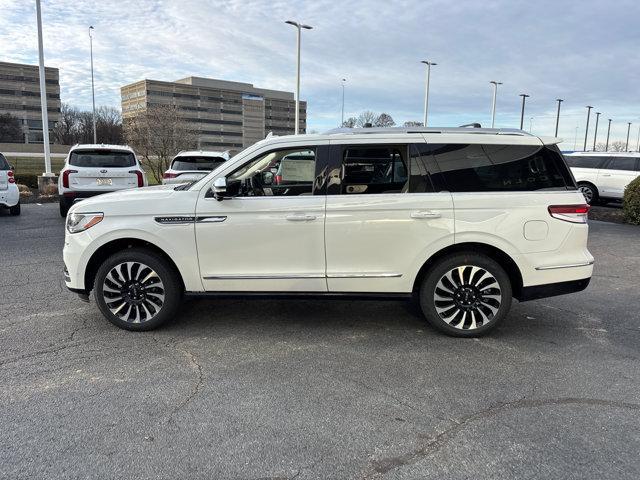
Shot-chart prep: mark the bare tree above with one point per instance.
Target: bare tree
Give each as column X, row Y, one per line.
column 384, row 120
column 109, row 125
column 366, row 117
column 157, row 135
column 65, row 130
column 10, row 129
column 615, row 146
column 412, row 123
column 350, row 122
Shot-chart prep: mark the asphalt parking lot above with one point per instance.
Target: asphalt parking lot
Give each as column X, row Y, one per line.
column 308, row 389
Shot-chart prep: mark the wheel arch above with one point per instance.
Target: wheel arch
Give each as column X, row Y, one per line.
column 503, row 259
column 118, row 245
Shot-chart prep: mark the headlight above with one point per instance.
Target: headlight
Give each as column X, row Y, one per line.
column 79, row 222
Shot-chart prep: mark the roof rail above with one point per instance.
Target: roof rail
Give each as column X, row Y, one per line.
column 431, row 130
column 473, row 125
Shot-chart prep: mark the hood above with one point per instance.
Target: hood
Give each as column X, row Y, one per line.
column 159, row 199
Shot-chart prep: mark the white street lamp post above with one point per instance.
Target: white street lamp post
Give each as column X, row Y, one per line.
column 342, row 114
column 93, row 94
column 43, row 96
column 426, row 89
column 493, row 104
column 299, row 26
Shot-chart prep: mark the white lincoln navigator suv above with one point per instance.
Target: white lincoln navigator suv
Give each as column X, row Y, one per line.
column 461, row 219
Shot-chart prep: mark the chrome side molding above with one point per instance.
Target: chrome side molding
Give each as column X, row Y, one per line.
column 571, row 265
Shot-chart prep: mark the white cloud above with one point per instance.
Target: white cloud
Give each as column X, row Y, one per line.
column 583, row 51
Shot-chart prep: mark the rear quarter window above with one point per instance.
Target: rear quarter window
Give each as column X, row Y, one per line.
column 499, row 168
column 102, row 159
column 585, row 161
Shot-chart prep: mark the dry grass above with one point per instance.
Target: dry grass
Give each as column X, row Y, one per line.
column 24, row 191
column 49, row 190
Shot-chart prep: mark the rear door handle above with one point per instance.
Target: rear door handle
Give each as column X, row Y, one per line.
column 300, row 217
column 425, row 214
column 606, row 174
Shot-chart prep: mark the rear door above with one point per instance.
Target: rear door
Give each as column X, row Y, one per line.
column 102, row 170
column 384, row 218
column 4, row 168
column 615, row 175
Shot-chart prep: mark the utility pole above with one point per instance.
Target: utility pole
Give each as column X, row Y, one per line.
column 93, row 92
column 559, row 100
column 524, row 97
column 493, row 104
column 43, row 96
column 299, row 26
column 342, row 122
column 595, row 135
column 586, row 132
column 426, row 90
column 606, row 148
column 626, row 147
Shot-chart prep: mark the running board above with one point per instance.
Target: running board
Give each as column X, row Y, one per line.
column 304, row 295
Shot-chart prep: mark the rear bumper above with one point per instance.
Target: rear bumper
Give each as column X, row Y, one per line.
column 552, row 289
column 9, row 197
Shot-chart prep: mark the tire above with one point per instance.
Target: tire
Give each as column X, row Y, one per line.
column 590, row 192
column 64, row 208
column 15, row 210
column 467, row 307
column 137, row 289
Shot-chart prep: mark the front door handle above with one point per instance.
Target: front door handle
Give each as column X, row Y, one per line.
column 425, row 214
column 606, row 174
column 300, row 217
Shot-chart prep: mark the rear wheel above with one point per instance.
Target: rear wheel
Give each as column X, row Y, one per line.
column 465, row 295
column 15, row 210
column 136, row 289
column 589, row 191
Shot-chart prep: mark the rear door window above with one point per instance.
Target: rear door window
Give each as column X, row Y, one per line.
column 102, row 159
column 495, row 168
column 621, row 163
column 197, row 163
column 374, row 169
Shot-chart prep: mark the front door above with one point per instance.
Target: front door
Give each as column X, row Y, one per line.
column 269, row 235
column 384, row 217
column 615, row 175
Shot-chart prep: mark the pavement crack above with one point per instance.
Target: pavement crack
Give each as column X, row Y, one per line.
column 197, row 387
column 384, row 465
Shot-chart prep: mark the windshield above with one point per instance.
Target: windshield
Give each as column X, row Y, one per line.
column 196, row 163
column 102, row 158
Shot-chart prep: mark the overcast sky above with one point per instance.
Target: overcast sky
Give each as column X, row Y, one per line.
column 585, row 51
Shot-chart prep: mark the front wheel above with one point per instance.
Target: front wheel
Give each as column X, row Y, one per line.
column 465, row 295
column 136, row 289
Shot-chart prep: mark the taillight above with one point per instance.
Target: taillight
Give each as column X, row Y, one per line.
column 11, row 179
column 65, row 177
column 170, row 175
column 570, row 213
column 278, row 179
column 140, row 177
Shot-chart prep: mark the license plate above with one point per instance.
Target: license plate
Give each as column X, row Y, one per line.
column 104, row 181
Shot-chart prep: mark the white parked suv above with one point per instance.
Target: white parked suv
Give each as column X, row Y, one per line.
column 91, row 170
column 193, row 165
column 9, row 194
column 603, row 176
column 462, row 219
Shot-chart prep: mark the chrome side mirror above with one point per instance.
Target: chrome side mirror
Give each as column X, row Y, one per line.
column 219, row 188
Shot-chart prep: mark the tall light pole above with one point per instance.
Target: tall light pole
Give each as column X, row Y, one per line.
column 343, row 82
column 524, row 97
column 586, row 131
column 299, row 26
column 626, row 147
column 43, row 96
column 638, row 146
column 559, row 100
column 606, row 148
column 595, row 135
column 93, row 93
column 493, row 104
column 426, row 89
